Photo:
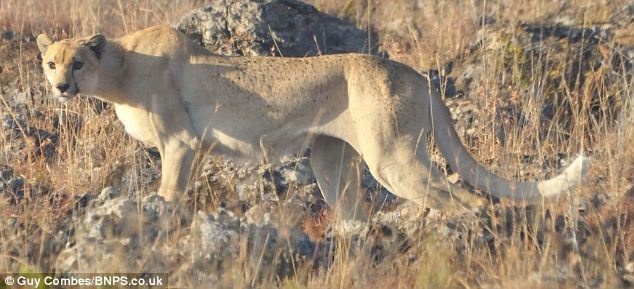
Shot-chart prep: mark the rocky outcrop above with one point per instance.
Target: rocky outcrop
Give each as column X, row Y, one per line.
column 273, row 27
column 122, row 234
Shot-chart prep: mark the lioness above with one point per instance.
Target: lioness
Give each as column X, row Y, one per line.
column 173, row 94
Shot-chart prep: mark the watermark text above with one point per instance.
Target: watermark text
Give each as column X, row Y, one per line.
column 83, row 280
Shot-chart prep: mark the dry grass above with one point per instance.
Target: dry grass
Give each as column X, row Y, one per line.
column 528, row 248
column 74, row 17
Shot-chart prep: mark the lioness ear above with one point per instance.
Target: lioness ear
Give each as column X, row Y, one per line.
column 43, row 41
column 96, row 43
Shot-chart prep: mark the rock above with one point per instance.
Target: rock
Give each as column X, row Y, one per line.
column 120, row 234
column 299, row 172
column 41, row 143
column 108, row 193
column 14, row 187
column 11, row 123
column 273, row 183
column 373, row 239
column 258, row 215
column 218, row 239
column 6, row 173
column 81, row 200
column 114, row 228
column 215, row 237
column 272, row 27
column 113, row 218
column 155, row 209
column 445, row 85
column 112, row 255
column 7, row 35
column 629, row 268
column 628, row 273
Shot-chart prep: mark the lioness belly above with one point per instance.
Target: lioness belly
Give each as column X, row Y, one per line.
column 248, row 139
column 246, row 143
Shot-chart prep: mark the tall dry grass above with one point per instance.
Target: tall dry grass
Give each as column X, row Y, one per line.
column 527, row 246
column 71, row 18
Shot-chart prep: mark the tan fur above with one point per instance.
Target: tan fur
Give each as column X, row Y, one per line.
column 177, row 96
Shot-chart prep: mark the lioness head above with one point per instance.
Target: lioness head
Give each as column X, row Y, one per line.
column 72, row 65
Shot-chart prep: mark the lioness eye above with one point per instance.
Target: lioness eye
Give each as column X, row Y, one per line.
column 77, row 65
column 51, row 65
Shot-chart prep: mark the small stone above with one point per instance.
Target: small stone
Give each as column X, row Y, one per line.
column 257, row 215
column 8, row 35
column 82, row 200
column 10, row 123
column 629, row 267
column 16, row 184
column 453, row 178
column 108, row 193
column 154, row 207
column 6, row 173
column 295, row 176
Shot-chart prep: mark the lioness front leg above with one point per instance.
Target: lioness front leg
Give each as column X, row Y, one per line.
column 178, row 162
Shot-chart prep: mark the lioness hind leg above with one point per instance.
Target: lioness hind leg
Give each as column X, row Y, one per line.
column 414, row 177
column 336, row 166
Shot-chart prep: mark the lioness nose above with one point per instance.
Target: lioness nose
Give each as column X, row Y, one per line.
column 63, row 86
